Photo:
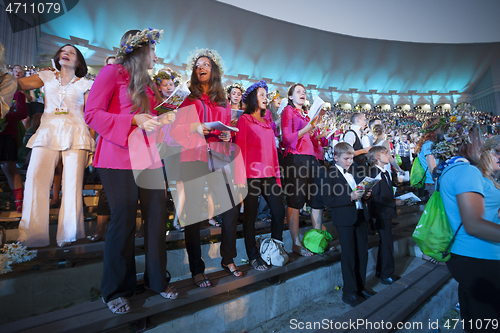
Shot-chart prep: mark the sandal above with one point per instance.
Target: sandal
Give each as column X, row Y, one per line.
column 432, row 260
column 170, row 293
column 214, row 223
column 259, row 264
column 235, row 272
column 202, row 281
column 120, row 303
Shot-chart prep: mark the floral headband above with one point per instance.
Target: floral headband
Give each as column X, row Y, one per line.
column 260, row 84
column 440, row 123
column 235, row 85
column 198, row 53
column 273, row 95
column 459, row 125
column 148, row 35
column 167, row 74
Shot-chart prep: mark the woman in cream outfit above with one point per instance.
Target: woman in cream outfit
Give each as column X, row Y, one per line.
column 62, row 134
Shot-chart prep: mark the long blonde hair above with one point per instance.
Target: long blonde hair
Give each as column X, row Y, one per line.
column 136, row 63
column 488, row 159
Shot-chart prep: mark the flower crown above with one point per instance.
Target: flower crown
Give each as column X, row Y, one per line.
column 440, row 123
column 260, row 84
column 198, row 53
column 273, row 95
column 133, row 42
column 167, row 74
column 235, row 85
column 458, row 126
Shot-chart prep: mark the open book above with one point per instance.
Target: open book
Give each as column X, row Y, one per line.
column 409, row 199
column 217, row 125
column 367, row 184
column 174, row 101
column 316, row 108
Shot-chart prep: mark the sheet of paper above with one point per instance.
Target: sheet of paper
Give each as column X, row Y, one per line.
column 217, row 125
column 236, row 114
column 316, row 107
column 284, row 103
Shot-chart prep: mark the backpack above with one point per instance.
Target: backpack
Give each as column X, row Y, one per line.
column 272, row 252
column 433, row 233
column 417, row 174
column 316, row 240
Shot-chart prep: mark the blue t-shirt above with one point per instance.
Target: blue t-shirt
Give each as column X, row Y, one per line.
column 451, row 184
column 426, row 150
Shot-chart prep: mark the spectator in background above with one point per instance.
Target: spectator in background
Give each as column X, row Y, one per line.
column 110, row 60
column 353, row 137
column 8, row 86
column 427, row 159
column 403, row 149
column 493, row 145
column 9, row 143
column 368, row 139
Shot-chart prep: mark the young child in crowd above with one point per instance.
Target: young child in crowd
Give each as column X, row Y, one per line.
column 383, row 210
column 350, row 219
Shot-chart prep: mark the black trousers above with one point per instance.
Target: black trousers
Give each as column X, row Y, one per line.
column 194, row 207
column 354, row 242
column 478, row 291
column 271, row 192
column 119, row 274
column 385, row 255
column 304, row 181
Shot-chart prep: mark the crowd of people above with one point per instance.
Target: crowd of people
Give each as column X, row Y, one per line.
column 246, row 148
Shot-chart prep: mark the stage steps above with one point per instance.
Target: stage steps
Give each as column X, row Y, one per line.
column 177, row 258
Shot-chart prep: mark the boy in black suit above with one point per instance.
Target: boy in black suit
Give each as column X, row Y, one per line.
column 348, row 217
column 383, row 209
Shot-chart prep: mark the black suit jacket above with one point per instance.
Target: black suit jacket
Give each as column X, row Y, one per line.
column 338, row 198
column 382, row 202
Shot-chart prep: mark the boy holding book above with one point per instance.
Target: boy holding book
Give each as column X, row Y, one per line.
column 383, row 210
column 349, row 217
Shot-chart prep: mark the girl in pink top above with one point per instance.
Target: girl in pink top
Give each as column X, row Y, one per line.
column 298, row 134
column 256, row 141
column 207, row 103
column 167, row 80
column 121, row 109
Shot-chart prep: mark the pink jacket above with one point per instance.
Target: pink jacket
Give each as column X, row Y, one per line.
column 291, row 123
column 109, row 112
column 258, row 148
column 194, row 145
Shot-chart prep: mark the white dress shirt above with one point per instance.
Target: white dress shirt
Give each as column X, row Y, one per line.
column 352, row 183
column 367, row 140
column 350, row 138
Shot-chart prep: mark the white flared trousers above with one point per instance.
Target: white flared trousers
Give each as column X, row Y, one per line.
column 34, row 225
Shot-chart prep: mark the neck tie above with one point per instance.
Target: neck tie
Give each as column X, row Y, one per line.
column 387, row 177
